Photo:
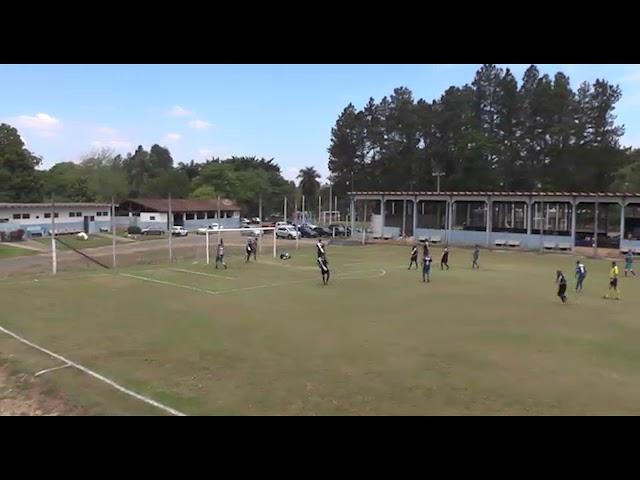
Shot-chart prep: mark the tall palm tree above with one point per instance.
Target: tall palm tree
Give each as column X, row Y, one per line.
column 309, row 185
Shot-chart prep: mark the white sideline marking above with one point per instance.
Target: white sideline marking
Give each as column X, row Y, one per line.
column 94, row 374
column 381, row 273
column 42, row 372
column 182, row 270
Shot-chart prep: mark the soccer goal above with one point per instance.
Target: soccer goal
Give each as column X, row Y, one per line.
column 264, row 241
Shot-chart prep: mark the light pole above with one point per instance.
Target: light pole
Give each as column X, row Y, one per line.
column 438, row 174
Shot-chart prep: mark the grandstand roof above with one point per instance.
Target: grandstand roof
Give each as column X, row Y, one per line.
column 504, row 194
column 49, row 205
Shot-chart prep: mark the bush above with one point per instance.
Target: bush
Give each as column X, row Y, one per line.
column 134, row 230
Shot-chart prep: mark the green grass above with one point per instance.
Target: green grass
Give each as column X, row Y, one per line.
column 7, row 251
column 270, row 339
column 77, row 243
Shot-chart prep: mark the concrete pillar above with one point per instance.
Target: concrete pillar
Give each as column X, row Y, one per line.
column 621, row 223
column 488, row 220
column 574, row 216
column 353, row 214
column 404, row 218
column 382, row 214
column 415, row 216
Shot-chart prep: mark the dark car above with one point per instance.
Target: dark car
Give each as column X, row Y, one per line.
column 152, row 231
column 307, row 232
column 322, row 232
column 339, row 229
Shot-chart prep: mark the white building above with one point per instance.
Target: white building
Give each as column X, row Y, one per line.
column 35, row 218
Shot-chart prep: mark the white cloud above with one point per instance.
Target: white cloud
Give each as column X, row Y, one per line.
column 179, row 111
column 107, row 131
column 632, row 77
column 172, row 137
column 118, row 144
column 40, row 121
column 200, row 124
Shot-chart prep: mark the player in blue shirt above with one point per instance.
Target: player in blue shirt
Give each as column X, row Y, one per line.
column 628, row 264
column 581, row 274
column 426, row 268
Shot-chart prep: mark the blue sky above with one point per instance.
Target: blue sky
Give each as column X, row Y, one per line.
column 280, row 111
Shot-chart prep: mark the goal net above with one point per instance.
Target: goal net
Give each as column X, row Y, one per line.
column 262, row 240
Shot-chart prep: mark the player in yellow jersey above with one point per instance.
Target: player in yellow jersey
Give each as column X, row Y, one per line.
column 613, row 281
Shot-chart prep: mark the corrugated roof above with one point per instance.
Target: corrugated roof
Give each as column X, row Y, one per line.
column 184, row 205
column 49, row 205
column 504, row 194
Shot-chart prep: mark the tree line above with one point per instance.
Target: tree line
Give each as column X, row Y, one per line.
column 493, row 134
column 102, row 174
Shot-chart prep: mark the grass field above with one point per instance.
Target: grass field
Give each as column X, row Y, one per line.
column 268, row 338
column 7, row 251
column 92, row 242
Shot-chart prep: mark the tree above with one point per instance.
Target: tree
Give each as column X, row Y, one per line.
column 19, row 180
column 309, row 185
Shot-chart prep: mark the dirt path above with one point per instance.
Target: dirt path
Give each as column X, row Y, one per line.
column 22, row 394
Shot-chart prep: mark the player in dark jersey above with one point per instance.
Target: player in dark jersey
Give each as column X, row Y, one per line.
column 324, row 269
column 254, row 247
column 444, row 261
column 220, row 255
column 562, row 286
column 249, row 249
column 425, row 248
column 320, row 248
column 414, row 257
column 426, row 268
column 476, row 256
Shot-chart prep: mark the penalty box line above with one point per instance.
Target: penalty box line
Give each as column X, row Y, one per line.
column 381, row 273
column 90, row 372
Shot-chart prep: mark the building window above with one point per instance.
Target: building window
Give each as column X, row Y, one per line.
column 26, row 216
column 16, row 216
column 212, row 214
column 4, row 220
column 152, row 218
column 47, row 215
column 189, row 216
column 99, row 214
column 78, row 214
column 92, row 218
column 200, row 215
column 105, row 214
column 72, row 214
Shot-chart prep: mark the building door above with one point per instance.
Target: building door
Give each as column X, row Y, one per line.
column 86, row 224
column 178, row 219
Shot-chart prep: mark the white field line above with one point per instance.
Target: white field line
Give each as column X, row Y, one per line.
column 94, row 374
column 380, row 271
column 42, row 372
column 204, row 274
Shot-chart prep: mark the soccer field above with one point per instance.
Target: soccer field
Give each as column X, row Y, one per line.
column 268, row 338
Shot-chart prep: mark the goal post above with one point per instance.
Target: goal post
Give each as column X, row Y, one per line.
column 235, row 240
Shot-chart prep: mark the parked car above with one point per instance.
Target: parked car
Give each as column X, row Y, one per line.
column 179, row 231
column 152, row 231
column 340, row 231
column 307, row 232
column 323, row 232
column 214, row 227
column 286, row 231
column 255, row 221
column 281, row 224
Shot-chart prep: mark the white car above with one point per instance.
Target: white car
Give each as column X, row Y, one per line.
column 282, row 224
column 214, row 227
column 178, row 231
column 287, row 231
column 248, row 231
